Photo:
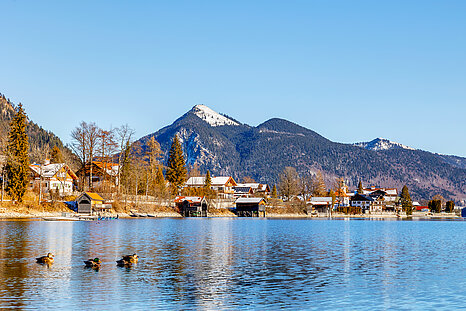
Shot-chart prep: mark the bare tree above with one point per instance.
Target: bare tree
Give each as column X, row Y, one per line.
column 318, row 185
column 79, row 147
column 289, row 183
column 92, row 140
column 124, row 140
column 152, row 155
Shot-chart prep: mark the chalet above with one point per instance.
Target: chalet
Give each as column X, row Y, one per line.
column 319, row 204
column 192, row 206
column 224, row 185
column 57, row 176
column 101, row 172
column 91, row 202
column 367, row 203
column 250, row 207
column 390, row 194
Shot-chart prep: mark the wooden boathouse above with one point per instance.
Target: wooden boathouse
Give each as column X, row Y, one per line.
column 192, row 206
column 89, row 202
column 250, row 207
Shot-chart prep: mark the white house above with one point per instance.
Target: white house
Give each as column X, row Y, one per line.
column 57, row 176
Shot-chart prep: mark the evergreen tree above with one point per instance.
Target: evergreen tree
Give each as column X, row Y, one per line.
column 176, row 171
column 17, row 166
column 56, row 155
column 406, row 201
column 274, row 192
column 208, row 181
column 360, row 188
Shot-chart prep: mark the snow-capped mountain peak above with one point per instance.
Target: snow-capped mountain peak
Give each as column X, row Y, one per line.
column 382, row 144
column 211, row 117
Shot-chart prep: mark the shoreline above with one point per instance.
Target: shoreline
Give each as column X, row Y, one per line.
column 32, row 215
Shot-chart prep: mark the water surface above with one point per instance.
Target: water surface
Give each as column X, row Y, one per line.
column 228, row 263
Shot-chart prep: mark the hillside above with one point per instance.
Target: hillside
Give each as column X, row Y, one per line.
column 225, row 146
column 38, row 137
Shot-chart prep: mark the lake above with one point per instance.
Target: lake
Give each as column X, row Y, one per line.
column 228, row 263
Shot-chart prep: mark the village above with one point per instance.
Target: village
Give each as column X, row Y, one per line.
column 203, row 196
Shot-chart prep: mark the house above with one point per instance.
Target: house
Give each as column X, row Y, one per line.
column 101, row 172
column 257, row 188
column 224, row 185
column 319, row 204
column 91, row 202
column 250, row 207
column 367, row 203
column 57, row 176
column 390, row 194
column 192, row 206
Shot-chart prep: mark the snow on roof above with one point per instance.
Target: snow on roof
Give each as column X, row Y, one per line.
column 49, row 170
column 255, row 186
column 249, row 200
column 211, row 117
column 200, row 181
column 189, row 199
column 321, row 200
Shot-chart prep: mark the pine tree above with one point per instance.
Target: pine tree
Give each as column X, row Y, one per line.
column 360, row 188
column 56, row 155
column 17, row 166
column 274, row 192
column 406, row 202
column 176, row 171
column 208, row 181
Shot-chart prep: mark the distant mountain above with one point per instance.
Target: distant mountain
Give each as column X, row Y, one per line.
column 382, row 144
column 38, row 137
column 227, row 147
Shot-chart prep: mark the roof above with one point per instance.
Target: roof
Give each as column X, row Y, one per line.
column 49, row 170
column 94, row 196
column 110, row 168
column 255, row 186
column 249, row 200
column 321, row 200
column 389, row 191
column 242, row 189
column 361, row 197
column 189, row 199
column 216, row 181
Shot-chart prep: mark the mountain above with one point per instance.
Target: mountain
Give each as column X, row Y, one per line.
column 382, row 144
column 379, row 144
column 38, row 137
column 227, row 147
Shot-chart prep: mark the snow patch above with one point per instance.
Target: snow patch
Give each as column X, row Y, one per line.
column 211, row 117
column 382, row 144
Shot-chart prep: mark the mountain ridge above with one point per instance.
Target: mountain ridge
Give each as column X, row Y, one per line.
column 263, row 151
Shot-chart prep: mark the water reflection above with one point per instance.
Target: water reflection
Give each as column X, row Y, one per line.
column 233, row 263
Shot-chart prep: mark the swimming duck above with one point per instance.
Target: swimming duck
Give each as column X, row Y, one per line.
column 93, row 263
column 131, row 258
column 47, row 259
column 124, row 263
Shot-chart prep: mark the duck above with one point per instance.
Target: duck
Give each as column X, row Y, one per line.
column 47, row 259
column 124, row 263
column 93, row 263
column 131, row 258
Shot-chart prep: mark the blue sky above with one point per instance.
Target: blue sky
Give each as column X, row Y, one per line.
column 350, row 70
